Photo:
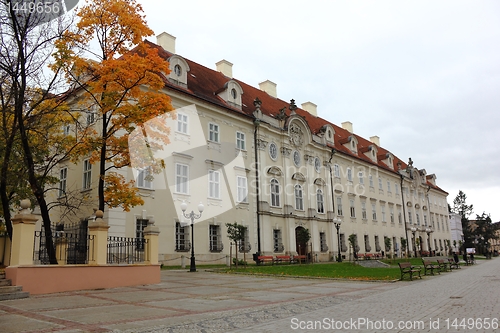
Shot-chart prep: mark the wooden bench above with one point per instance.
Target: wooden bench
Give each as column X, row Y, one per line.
column 283, row 259
column 443, row 265
column 264, row 259
column 407, row 269
column 429, row 266
column 453, row 264
column 298, row 259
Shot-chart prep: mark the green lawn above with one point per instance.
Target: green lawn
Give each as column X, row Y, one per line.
column 344, row 270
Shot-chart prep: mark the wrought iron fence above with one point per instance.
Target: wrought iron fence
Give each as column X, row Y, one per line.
column 69, row 248
column 123, row 250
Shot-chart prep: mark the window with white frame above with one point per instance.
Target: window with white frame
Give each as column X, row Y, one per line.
column 361, row 178
column 66, row 129
column 382, row 210
column 215, row 240
column 352, row 208
column 299, row 199
column 389, row 187
column 418, row 218
column 182, row 123
column 145, row 178
column 400, row 217
column 339, row 206
column 363, row 210
column 374, row 211
column 275, row 193
column 322, row 242
column 181, row 178
column 242, row 189
column 91, row 117
column 392, row 214
column 87, row 174
column 425, row 219
column 380, row 184
column 320, row 201
column 349, row 174
column 213, row 132
column 213, row 184
column 370, row 178
column 410, row 217
column 277, row 241
column 336, row 171
column 240, row 141
column 182, row 243
column 63, row 177
column 396, row 188
column 140, row 225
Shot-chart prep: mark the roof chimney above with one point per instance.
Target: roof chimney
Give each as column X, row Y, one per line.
column 269, row 87
column 375, row 139
column 347, row 125
column 225, row 67
column 311, row 108
column 166, row 41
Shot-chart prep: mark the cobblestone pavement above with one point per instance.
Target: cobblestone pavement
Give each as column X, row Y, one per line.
column 210, row 302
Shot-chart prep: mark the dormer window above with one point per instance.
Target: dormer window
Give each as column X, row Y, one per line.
column 178, row 71
column 231, row 93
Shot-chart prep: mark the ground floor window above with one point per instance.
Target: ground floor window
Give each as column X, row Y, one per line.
column 215, row 238
column 182, row 242
column 277, row 241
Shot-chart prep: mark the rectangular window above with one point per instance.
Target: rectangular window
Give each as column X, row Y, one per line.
column 277, row 242
column 418, row 218
column 215, row 238
column 396, row 188
column 245, row 246
column 380, row 184
column 213, row 132
column 275, row 193
column 410, row 219
column 388, row 187
column 339, row 206
column 182, row 243
column 374, row 212
column 349, row 174
column 91, row 117
column 322, row 242
column 140, row 224
column 361, row 178
column 382, row 209
column 242, row 189
column 214, row 184
column 400, row 217
column 352, row 208
column 87, row 174
column 66, row 129
column 181, row 178
column 425, row 219
column 182, row 123
column 363, row 210
column 392, row 214
column 240, row 141
column 145, row 178
column 370, row 178
column 336, row 170
column 63, row 176
column 299, row 199
column 320, row 202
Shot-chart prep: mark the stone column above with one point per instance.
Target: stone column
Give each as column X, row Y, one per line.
column 151, row 233
column 23, row 233
column 99, row 230
column 62, row 250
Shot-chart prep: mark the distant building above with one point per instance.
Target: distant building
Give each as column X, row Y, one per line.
column 275, row 168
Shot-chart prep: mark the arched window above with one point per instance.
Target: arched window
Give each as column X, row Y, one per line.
column 275, row 193
column 320, row 201
column 299, row 199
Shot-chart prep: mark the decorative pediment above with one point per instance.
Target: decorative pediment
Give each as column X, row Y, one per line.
column 319, row 181
column 296, row 135
column 299, row 176
column 275, row 171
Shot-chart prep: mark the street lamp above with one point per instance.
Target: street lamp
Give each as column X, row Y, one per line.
column 337, row 222
column 429, row 231
column 413, row 230
column 192, row 216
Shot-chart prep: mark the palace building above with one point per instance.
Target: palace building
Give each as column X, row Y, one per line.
column 274, row 167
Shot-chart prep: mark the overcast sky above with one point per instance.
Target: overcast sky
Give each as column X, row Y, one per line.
column 422, row 75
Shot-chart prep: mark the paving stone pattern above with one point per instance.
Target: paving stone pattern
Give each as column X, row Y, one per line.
column 211, row 302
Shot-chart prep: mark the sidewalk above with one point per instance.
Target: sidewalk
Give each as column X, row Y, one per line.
column 209, row 302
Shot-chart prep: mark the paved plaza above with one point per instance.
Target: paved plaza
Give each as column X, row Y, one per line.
column 211, row 302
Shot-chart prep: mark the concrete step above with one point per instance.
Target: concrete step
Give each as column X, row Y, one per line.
column 15, row 295
column 10, row 289
column 5, row 282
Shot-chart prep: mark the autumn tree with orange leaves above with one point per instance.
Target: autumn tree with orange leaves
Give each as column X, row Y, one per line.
column 121, row 81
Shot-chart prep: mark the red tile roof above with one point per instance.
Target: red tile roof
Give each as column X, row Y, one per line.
column 204, row 83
